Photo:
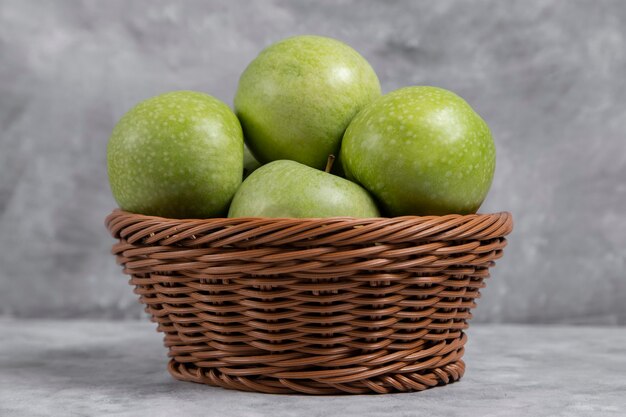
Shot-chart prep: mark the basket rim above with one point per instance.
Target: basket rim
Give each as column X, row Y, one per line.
column 126, row 225
column 121, row 212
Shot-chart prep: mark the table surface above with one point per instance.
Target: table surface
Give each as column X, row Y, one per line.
column 91, row 368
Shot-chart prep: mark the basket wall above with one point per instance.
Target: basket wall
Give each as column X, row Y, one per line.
column 313, row 306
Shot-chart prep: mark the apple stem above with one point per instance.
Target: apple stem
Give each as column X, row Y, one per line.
column 329, row 163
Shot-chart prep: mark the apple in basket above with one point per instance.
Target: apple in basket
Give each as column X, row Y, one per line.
column 420, row 151
column 290, row 189
column 177, row 155
column 297, row 97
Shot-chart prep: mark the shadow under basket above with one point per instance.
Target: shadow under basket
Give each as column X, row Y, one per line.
column 312, row 306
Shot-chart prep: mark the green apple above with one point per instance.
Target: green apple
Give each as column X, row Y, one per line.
column 290, row 189
column 421, row 151
column 250, row 164
column 176, row 155
column 297, row 97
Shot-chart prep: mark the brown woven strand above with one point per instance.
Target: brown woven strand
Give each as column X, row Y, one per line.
column 312, row 306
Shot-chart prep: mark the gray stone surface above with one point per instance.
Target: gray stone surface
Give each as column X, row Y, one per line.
column 548, row 76
column 93, row 368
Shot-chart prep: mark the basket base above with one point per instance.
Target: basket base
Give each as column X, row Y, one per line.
column 383, row 384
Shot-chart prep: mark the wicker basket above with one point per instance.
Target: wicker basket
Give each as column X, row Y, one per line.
column 312, row 306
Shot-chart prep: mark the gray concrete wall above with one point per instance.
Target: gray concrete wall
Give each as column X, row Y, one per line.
column 548, row 76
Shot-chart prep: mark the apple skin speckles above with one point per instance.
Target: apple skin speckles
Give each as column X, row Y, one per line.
column 420, row 151
column 289, row 189
column 178, row 155
column 297, row 97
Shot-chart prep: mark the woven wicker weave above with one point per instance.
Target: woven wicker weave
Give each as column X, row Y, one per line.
column 313, row 306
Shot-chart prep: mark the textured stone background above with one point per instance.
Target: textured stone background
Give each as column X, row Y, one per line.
column 548, row 76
